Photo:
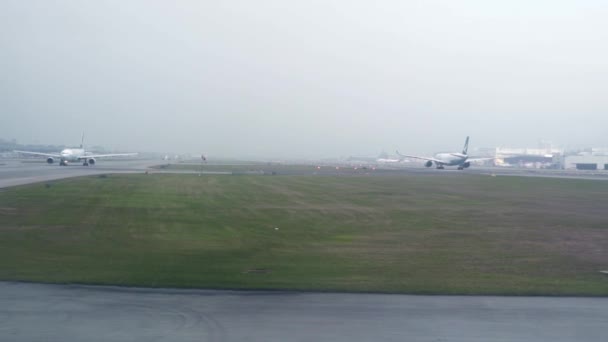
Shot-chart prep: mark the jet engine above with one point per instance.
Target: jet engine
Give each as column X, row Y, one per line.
column 428, row 163
column 50, row 160
column 467, row 164
column 91, row 161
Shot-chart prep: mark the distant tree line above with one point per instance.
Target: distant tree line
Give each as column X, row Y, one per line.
column 10, row 145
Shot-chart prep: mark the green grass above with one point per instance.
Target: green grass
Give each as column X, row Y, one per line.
column 451, row 234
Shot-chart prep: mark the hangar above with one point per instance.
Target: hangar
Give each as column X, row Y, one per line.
column 587, row 162
column 543, row 157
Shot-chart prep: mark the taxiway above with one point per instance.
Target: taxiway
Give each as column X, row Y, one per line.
column 36, row 312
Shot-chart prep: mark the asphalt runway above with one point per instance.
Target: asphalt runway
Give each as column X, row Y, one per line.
column 18, row 172
column 15, row 172
column 35, row 312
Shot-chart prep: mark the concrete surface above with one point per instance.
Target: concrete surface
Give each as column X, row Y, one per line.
column 35, row 312
column 17, row 172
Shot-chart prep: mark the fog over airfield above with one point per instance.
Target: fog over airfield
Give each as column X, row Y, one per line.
column 304, row 78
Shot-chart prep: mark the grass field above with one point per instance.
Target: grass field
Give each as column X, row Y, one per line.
column 452, row 234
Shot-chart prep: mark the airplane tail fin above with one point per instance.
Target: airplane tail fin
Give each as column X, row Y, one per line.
column 466, row 146
column 82, row 141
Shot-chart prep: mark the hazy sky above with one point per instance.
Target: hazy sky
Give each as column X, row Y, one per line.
column 304, row 78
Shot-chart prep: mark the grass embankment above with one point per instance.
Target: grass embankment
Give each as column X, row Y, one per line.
column 453, row 234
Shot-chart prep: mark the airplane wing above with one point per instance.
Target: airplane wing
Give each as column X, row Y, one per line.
column 107, row 155
column 423, row 158
column 39, row 154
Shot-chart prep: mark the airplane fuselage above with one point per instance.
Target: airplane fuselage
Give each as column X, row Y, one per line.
column 451, row 159
column 72, row 154
column 387, row 160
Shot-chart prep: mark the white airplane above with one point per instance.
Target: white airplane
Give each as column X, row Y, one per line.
column 69, row 155
column 391, row 161
column 441, row 160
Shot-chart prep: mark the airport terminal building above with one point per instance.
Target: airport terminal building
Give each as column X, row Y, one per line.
column 596, row 159
column 545, row 158
column 548, row 158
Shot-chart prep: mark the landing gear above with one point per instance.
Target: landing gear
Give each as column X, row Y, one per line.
column 63, row 163
column 460, row 168
column 85, row 164
column 440, row 167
